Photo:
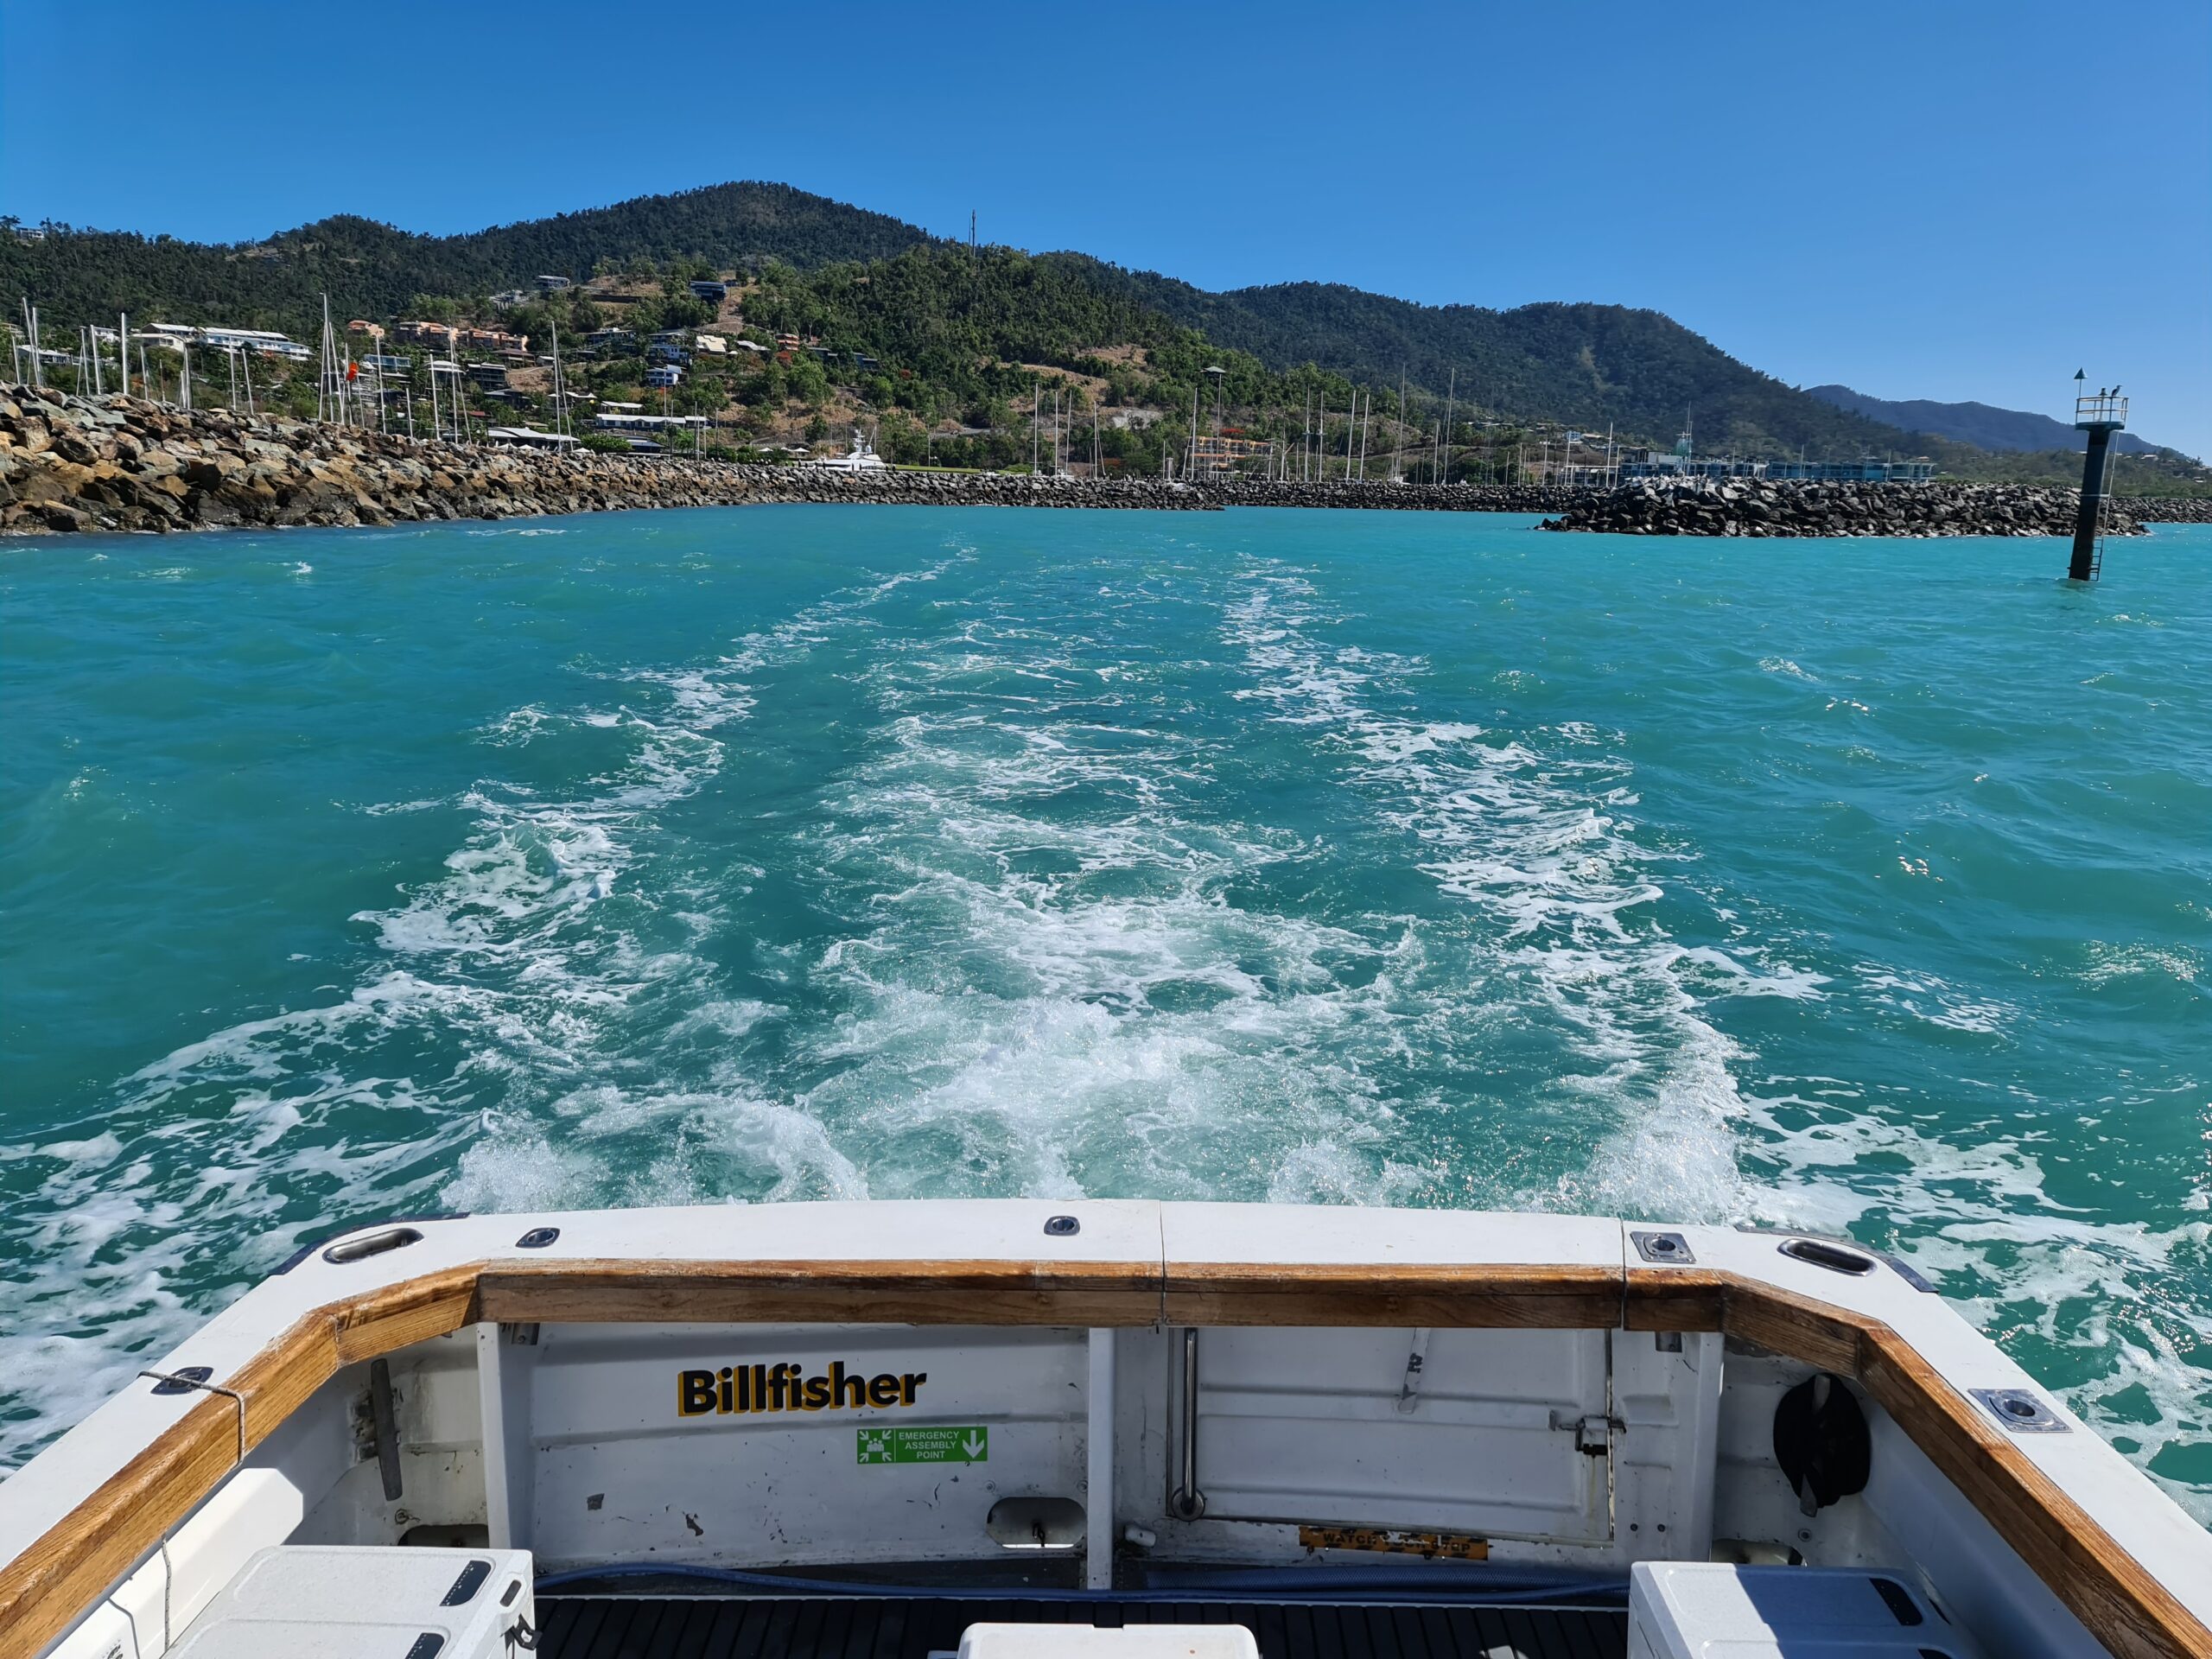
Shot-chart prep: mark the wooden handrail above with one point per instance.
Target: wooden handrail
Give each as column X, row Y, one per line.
column 1503, row 1296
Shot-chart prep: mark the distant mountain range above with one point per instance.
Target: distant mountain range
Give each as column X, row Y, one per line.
column 1636, row 373
column 1979, row 424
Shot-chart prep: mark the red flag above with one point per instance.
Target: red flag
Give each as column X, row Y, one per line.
column 353, row 370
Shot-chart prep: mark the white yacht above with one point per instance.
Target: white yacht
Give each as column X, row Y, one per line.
column 862, row 458
column 1105, row 1430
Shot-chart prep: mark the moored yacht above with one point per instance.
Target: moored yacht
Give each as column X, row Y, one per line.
column 1111, row 1429
column 860, row 458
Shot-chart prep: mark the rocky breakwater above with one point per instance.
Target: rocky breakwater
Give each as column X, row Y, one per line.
column 124, row 464
column 1376, row 494
column 1752, row 507
column 2167, row 509
column 904, row 488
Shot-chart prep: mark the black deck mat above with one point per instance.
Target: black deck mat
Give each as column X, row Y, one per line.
column 895, row 1627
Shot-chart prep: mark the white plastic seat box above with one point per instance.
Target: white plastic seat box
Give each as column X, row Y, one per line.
column 1711, row 1610
column 1089, row 1642
column 316, row 1602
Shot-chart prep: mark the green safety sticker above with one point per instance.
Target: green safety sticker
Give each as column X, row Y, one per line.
column 967, row 1444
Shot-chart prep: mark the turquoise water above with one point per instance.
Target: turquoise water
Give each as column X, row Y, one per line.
column 1353, row 858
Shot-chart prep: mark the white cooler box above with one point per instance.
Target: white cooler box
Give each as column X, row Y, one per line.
column 1089, row 1642
column 1709, row 1610
column 302, row 1602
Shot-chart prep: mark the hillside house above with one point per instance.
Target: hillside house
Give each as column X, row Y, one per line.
column 427, row 333
column 497, row 340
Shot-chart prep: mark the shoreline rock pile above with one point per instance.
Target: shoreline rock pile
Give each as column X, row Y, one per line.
column 1375, row 495
column 74, row 464
column 117, row 464
column 1756, row 508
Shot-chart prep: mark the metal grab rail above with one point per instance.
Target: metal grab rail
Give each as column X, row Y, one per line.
column 2105, row 410
column 1187, row 1502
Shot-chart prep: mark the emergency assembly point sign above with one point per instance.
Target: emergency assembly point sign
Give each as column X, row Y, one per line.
column 967, row 1444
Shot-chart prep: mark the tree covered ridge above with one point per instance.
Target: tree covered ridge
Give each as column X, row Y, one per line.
column 373, row 270
column 958, row 321
column 1580, row 364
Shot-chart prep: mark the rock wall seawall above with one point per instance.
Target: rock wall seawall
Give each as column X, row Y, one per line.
column 123, row 464
column 1374, row 494
column 117, row 464
column 1754, row 507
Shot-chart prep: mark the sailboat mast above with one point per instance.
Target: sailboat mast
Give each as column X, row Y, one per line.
column 1398, row 449
column 1451, row 394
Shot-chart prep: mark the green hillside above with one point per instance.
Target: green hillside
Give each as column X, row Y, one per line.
column 1589, row 365
column 374, row 271
column 951, row 328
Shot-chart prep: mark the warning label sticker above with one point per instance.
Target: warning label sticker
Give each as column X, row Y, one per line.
column 963, row 1445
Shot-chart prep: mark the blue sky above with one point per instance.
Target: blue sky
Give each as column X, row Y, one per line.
column 1939, row 201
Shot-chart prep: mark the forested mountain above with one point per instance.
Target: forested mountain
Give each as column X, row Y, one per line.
column 1588, row 364
column 374, row 271
column 936, row 309
column 1983, row 425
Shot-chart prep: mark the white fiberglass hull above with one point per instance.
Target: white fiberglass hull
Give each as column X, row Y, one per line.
column 1093, row 1395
